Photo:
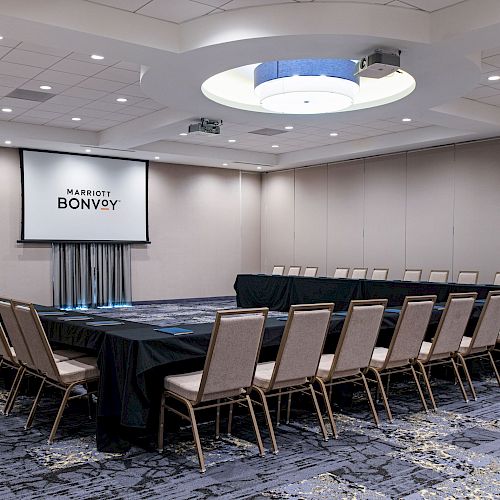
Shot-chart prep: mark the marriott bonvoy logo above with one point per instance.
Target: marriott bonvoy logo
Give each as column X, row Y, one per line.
column 87, row 199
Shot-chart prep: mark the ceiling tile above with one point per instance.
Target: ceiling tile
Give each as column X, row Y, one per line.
column 9, row 102
column 176, row 11
column 119, row 75
column 482, row 91
column 493, row 100
column 60, row 77
column 127, row 65
column 5, row 90
column 7, row 68
column 84, row 93
column 30, row 58
column 32, row 47
column 130, row 5
column 107, row 61
column 9, row 42
column 12, row 81
column 35, row 85
column 134, row 90
column 100, row 84
column 73, row 102
column 77, row 67
column 5, row 50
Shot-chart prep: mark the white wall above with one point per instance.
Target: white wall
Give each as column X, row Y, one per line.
column 431, row 209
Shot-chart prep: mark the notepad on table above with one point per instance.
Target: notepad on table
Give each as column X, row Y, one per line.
column 174, row 330
column 51, row 313
column 397, row 311
column 281, row 318
column 439, row 308
column 104, row 323
column 76, row 318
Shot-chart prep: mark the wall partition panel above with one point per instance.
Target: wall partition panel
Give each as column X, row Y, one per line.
column 477, row 209
column 250, row 222
column 429, row 209
column 345, row 215
column 385, row 206
column 311, row 217
column 278, row 219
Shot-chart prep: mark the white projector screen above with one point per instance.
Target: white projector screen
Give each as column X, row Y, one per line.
column 71, row 197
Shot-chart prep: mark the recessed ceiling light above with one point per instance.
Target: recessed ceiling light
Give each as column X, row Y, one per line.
column 183, row 133
column 275, row 146
column 225, row 164
column 494, row 78
column 8, row 142
column 334, row 134
column 231, row 140
column 76, row 119
column 288, row 127
column 259, row 168
column 1, row 37
column 97, row 57
column 6, row 110
column 406, row 120
column 88, row 150
column 45, row 87
column 121, row 99
column 157, row 157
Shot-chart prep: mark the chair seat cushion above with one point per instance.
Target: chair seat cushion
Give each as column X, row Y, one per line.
column 66, row 354
column 187, row 385
column 78, row 370
column 424, row 350
column 13, row 351
column 465, row 346
column 378, row 357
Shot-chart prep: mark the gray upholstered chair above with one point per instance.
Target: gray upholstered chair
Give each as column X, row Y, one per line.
column 496, row 279
column 294, row 270
column 227, row 376
column 412, row 275
column 359, row 273
column 439, row 276
column 447, row 339
column 354, row 351
column 278, row 270
column 64, row 375
column 310, row 272
column 380, row 274
column 8, row 358
column 297, row 361
column 468, row 277
column 405, row 345
column 483, row 339
column 341, row 272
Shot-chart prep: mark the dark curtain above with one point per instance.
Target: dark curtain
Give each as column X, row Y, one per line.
column 91, row 274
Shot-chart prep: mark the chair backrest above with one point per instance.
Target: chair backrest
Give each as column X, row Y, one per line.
column 5, row 348
column 294, row 270
column 468, row 277
column 380, row 274
column 358, row 337
column 301, row 344
column 278, row 270
column 486, row 332
column 412, row 275
column 496, row 280
column 452, row 325
column 341, row 272
column 36, row 340
column 14, row 333
column 311, row 272
column 359, row 273
column 439, row 276
column 232, row 353
column 410, row 330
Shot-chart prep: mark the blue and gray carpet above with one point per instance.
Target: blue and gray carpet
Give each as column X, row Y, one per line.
column 451, row 453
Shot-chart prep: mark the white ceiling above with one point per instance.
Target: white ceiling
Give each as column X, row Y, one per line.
column 449, row 45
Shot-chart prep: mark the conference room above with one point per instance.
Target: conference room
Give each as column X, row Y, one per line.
column 249, row 249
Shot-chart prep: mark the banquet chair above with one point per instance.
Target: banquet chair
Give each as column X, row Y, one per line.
column 21, row 352
column 496, row 280
column 296, row 363
column 341, row 272
column 380, row 274
column 468, row 277
column 294, row 270
column 226, row 378
column 278, row 270
column 405, row 345
column 353, row 353
column 412, row 275
column 483, row 339
column 8, row 357
column 359, row 273
column 64, row 375
column 439, row 276
column 311, row 272
column 447, row 339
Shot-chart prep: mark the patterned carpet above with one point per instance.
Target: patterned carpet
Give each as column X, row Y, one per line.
column 451, row 453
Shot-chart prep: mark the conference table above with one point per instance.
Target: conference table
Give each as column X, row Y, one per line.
column 133, row 358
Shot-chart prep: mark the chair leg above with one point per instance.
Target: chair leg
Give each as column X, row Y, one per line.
column 419, row 389
column 217, row 421
column 370, row 401
column 255, row 426
column 329, row 411
column 427, row 383
column 34, row 406
column 382, row 391
column 288, row 408
column 268, row 419
column 196, row 435
column 278, row 410
column 59, row 415
column 318, row 412
column 16, row 384
column 492, row 361
column 459, row 380
column 161, row 423
column 467, row 375
column 230, row 419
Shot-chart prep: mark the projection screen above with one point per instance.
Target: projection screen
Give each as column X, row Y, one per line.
column 82, row 198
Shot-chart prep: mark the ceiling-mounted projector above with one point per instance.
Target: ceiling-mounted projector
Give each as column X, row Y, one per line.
column 379, row 64
column 205, row 126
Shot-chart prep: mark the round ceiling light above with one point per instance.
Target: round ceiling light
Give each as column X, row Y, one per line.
column 306, row 86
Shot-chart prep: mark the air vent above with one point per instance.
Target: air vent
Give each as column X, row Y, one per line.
column 108, row 149
column 30, row 95
column 253, row 163
column 267, row 131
